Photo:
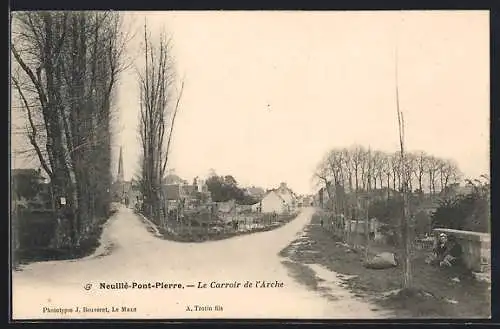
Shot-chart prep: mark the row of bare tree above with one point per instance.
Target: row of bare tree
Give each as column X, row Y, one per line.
column 64, row 72
column 359, row 169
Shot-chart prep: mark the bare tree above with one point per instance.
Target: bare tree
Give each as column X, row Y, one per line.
column 357, row 160
column 386, row 172
column 158, row 110
column 421, row 169
column 335, row 164
column 377, row 164
column 395, row 165
column 432, row 170
column 370, row 173
column 410, row 168
column 66, row 65
column 323, row 175
column 349, row 175
column 448, row 173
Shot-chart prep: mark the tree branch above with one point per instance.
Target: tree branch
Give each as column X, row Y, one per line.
column 172, row 126
column 32, row 135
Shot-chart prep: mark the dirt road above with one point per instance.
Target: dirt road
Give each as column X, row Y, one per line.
column 137, row 258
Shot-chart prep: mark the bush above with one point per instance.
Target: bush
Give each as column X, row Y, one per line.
column 464, row 212
column 36, row 231
column 422, row 223
column 36, row 228
column 386, row 211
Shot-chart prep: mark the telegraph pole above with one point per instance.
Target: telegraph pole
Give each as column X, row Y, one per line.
column 405, row 232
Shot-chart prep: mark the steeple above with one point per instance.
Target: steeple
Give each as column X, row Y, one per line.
column 119, row 177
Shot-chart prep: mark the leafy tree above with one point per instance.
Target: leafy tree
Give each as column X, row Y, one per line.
column 230, row 180
column 225, row 188
column 386, row 211
column 421, row 223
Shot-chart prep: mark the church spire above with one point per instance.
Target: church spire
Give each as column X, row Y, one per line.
column 119, row 178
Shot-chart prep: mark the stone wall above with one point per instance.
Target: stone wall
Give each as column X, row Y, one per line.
column 476, row 247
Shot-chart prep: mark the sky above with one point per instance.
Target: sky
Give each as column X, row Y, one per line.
column 267, row 94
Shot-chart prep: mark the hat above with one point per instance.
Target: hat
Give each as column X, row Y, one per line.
column 442, row 235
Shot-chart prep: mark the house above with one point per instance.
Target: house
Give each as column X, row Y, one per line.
column 257, row 207
column 287, row 194
column 171, row 192
column 307, row 201
column 273, row 203
column 279, row 200
column 188, row 191
column 174, row 194
column 300, row 200
column 202, row 186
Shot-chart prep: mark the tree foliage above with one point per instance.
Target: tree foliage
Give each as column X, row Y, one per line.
column 469, row 211
column 386, row 211
column 225, row 188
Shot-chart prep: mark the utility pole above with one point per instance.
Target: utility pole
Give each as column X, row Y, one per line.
column 405, row 232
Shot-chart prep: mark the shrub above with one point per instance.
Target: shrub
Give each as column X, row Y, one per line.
column 463, row 212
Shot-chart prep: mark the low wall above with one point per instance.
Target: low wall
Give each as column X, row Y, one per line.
column 476, row 247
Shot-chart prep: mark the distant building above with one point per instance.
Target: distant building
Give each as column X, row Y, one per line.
column 273, row 202
column 122, row 190
column 306, row 201
column 172, row 178
column 189, row 195
column 279, row 200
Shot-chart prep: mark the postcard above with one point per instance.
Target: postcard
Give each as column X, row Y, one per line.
column 250, row 165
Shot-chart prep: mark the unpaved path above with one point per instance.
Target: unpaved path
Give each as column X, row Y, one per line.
column 130, row 253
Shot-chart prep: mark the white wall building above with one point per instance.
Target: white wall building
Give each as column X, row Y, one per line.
column 273, row 202
column 279, row 200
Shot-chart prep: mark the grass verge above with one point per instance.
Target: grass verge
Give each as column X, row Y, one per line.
column 201, row 235
column 87, row 247
column 437, row 293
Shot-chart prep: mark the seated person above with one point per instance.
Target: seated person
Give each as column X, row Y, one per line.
column 439, row 251
column 453, row 253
